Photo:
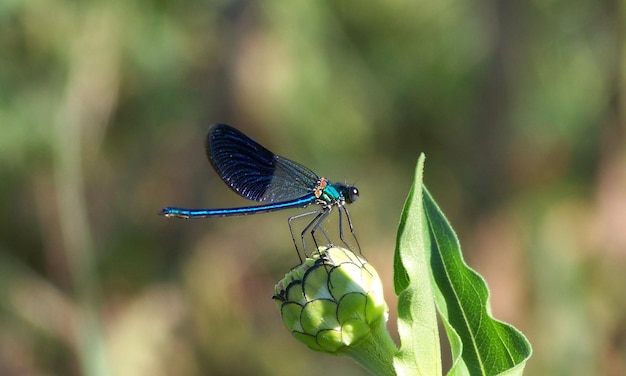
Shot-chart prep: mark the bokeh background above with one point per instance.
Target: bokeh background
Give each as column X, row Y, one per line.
column 519, row 106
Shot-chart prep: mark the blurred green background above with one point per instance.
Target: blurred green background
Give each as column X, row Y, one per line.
column 520, row 107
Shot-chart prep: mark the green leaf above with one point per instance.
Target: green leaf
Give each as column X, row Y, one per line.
column 487, row 346
column 429, row 276
column 419, row 353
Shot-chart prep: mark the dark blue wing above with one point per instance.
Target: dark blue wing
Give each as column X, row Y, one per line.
column 253, row 171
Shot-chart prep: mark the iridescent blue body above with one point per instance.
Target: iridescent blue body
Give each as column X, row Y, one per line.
column 255, row 173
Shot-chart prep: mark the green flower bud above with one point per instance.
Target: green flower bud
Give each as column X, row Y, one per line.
column 333, row 302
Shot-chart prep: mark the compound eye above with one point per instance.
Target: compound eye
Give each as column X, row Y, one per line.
column 353, row 193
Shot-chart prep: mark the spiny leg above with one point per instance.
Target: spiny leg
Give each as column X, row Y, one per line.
column 314, row 225
column 356, row 240
column 295, row 243
column 350, row 255
column 317, row 225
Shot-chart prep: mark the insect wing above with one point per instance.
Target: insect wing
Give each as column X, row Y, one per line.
column 253, row 171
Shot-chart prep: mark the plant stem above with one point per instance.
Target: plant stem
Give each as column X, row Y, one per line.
column 376, row 352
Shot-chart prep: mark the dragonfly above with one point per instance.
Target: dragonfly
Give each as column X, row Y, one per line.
column 277, row 183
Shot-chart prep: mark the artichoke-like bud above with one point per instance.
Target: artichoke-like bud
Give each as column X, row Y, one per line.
column 334, row 303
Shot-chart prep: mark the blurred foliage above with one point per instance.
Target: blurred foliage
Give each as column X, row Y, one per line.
column 519, row 107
